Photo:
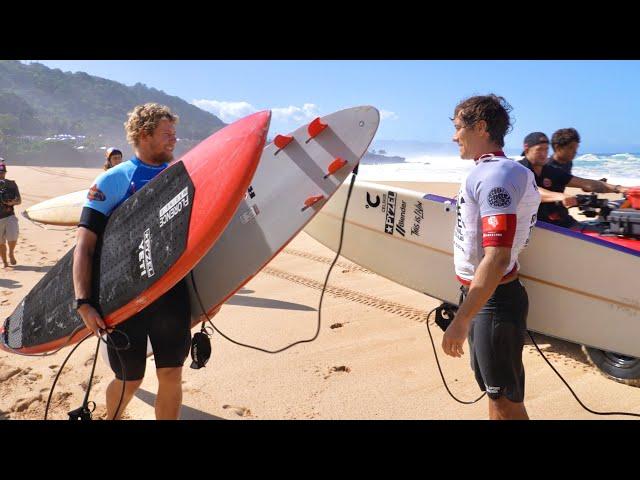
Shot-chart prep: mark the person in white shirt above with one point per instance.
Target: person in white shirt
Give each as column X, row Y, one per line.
column 496, row 211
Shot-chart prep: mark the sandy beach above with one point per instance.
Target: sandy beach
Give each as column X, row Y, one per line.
column 372, row 359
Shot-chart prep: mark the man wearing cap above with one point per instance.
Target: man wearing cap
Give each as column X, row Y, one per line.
column 553, row 181
column 9, row 197
column 114, row 157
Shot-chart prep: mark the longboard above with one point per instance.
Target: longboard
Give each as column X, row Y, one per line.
column 63, row 210
column 581, row 288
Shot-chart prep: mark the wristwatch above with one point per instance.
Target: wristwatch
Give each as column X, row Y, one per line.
column 81, row 301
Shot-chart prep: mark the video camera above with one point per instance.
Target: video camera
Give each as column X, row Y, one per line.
column 6, row 192
column 612, row 220
column 591, row 206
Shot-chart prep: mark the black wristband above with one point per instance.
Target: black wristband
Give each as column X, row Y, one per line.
column 78, row 302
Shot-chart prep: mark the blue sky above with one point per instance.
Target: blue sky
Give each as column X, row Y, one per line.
column 601, row 99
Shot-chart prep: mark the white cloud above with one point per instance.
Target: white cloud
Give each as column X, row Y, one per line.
column 227, row 111
column 309, row 111
column 231, row 111
column 387, row 115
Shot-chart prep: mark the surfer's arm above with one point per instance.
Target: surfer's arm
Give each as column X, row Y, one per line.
column 91, row 225
column 485, row 280
column 83, row 262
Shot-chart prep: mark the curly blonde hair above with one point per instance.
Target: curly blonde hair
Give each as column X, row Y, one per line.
column 145, row 118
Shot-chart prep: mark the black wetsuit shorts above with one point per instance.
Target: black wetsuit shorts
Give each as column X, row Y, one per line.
column 496, row 340
column 167, row 323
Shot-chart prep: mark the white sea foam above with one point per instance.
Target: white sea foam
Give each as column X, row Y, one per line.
column 620, row 168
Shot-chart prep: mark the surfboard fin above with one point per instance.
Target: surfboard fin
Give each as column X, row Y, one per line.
column 282, row 141
column 315, row 128
column 336, row 165
column 312, row 201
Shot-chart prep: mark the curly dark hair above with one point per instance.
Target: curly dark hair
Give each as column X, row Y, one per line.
column 492, row 109
column 564, row 136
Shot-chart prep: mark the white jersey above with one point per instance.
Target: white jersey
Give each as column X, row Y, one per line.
column 497, row 206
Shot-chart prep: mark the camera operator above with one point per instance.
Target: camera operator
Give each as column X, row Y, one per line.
column 9, row 197
column 552, row 182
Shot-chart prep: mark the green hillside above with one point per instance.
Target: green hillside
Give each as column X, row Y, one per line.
column 38, row 103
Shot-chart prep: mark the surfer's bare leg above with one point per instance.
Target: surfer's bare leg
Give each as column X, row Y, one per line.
column 12, row 247
column 169, row 397
column 504, row 409
column 114, row 391
column 3, row 254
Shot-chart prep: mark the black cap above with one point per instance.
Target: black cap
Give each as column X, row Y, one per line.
column 534, row 138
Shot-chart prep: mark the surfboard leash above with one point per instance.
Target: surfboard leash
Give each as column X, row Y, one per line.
column 71, row 335
column 628, row 414
column 324, row 287
column 83, row 412
column 446, row 315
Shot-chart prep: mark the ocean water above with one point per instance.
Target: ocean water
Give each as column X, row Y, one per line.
column 618, row 168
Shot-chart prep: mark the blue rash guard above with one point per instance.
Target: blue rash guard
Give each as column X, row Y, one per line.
column 112, row 188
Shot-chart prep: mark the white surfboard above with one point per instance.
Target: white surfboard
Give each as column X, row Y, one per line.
column 296, row 176
column 280, row 200
column 64, row 210
column 581, row 289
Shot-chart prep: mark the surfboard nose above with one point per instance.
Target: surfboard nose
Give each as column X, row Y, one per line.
column 371, row 114
column 254, row 126
column 261, row 120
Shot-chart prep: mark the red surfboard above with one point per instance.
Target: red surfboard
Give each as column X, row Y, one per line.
column 150, row 242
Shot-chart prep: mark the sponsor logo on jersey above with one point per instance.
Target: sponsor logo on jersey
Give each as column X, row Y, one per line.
column 546, row 182
column 494, row 223
column 96, row 195
column 175, row 206
column 534, row 219
column 499, row 198
column 250, row 193
column 144, row 255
